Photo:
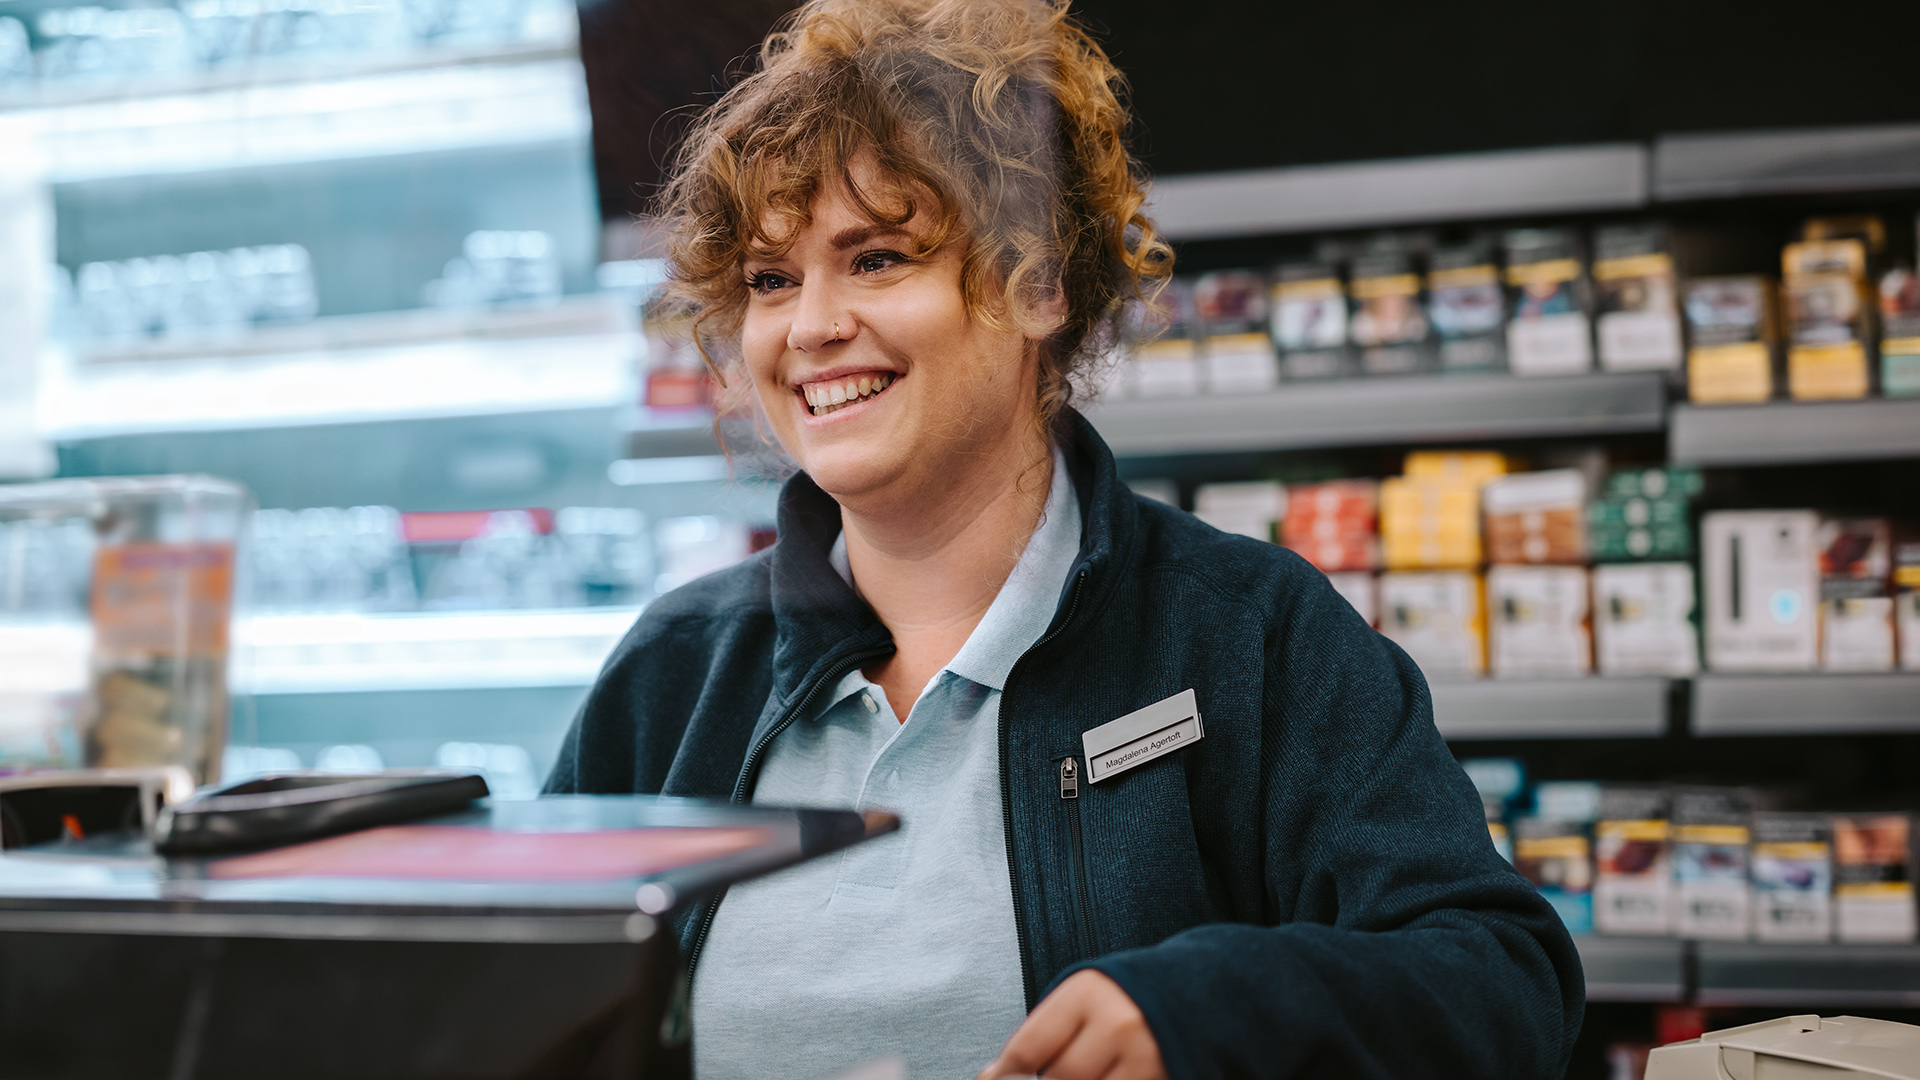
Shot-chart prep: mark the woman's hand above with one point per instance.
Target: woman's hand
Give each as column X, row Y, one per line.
column 1087, row 1029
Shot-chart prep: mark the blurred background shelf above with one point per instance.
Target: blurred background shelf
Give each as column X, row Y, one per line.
column 1785, row 433
column 1806, row 704
column 1788, row 976
column 1551, row 708
column 1633, row 969
column 1880, row 157
column 1451, row 187
column 1364, row 412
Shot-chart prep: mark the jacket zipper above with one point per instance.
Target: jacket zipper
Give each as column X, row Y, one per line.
column 1077, row 856
column 1020, row 931
column 711, row 906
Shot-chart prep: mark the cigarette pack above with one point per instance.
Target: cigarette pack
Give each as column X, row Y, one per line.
column 1438, row 618
column 1476, row 466
column 1733, row 322
column 1536, row 517
column 1361, row 591
column 1900, row 333
column 1538, row 622
column 1236, row 353
column 1334, row 525
column 1308, row 318
column 1792, row 877
column 1429, row 522
column 1873, row 877
column 1762, row 581
column 1633, row 862
column 1387, row 324
column 1856, row 606
column 1556, row 856
column 1659, row 482
column 1645, row 514
column 1548, row 332
column 1638, row 316
column 1466, row 307
column 1251, row 508
column 1643, row 620
column 1166, row 358
column 1711, row 891
column 1829, row 319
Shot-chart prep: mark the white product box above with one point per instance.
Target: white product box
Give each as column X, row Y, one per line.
column 1643, row 619
column 1437, row 618
column 1761, row 583
column 1240, row 364
column 1166, row 369
column 1251, row 509
column 1873, row 877
column 1361, row 591
column 1711, row 891
column 1639, row 341
column 1907, row 622
column 1537, row 622
column 1792, row 878
column 1633, row 863
column 1857, row 634
column 1550, row 345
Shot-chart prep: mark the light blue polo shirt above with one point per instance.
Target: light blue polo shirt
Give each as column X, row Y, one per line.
column 904, row 945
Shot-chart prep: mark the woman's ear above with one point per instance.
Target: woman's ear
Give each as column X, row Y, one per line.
column 1045, row 309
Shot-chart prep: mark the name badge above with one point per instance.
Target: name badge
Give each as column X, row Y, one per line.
column 1142, row 735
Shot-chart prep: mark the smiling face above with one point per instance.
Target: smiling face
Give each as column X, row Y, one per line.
column 876, row 377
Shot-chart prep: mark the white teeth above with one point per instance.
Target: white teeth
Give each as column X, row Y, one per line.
column 836, row 395
column 866, row 384
column 823, row 398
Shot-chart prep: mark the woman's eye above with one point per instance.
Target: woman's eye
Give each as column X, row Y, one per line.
column 873, row 262
column 767, row 281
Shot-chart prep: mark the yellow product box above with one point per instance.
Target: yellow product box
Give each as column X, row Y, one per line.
column 1830, row 317
column 1430, row 553
column 1475, row 466
column 1741, row 373
column 1827, row 372
column 1734, row 323
column 1406, row 499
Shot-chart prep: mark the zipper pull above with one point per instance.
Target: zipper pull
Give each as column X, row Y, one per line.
column 1069, row 778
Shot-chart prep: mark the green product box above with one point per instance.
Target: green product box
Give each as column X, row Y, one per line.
column 1640, row 512
column 1900, row 374
column 1626, row 543
column 1673, row 481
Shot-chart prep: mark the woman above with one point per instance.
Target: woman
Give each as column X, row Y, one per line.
column 907, row 235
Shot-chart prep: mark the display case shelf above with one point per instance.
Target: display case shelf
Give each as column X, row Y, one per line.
column 1809, row 976
column 1786, row 433
column 1361, row 412
column 1453, row 187
column 1722, row 165
column 1806, row 704
column 1647, row 969
column 1551, row 708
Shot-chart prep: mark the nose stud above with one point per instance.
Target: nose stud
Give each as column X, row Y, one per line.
column 836, row 331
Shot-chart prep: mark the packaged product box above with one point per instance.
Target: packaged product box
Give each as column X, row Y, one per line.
column 1334, row 525
column 1636, row 299
column 1308, row 318
column 1537, row 622
column 1734, row 325
column 1712, row 897
column 1643, row 620
column 1165, row 356
column 1761, row 587
column 1548, row 332
column 1873, row 874
column 1429, row 522
column 1633, row 862
column 1645, row 513
column 1236, row 352
column 1252, row 508
column 1856, row 604
column 1657, row 482
column 1829, row 319
column 1900, row 333
column 1466, row 307
column 1386, row 322
column 1474, row 466
column 1557, row 857
column 1536, row 517
column 1438, row 618
column 1360, row 590
column 1792, row 877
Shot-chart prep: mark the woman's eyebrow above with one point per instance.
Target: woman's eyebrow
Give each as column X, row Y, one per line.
column 855, row 235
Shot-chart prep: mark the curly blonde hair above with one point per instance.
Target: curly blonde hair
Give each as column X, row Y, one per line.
column 1002, row 120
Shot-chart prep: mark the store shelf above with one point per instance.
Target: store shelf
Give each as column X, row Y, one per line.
column 1810, row 976
column 1454, row 187
column 1786, row 433
column 1633, row 969
column 357, row 653
column 1359, row 412
column 1551, row 709
column 1785, row 162
column 1805, row 704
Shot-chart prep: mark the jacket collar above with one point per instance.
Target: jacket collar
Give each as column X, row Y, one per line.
column 819, row 619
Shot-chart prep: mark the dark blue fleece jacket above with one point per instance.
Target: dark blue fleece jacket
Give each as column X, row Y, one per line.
column 1307, row 891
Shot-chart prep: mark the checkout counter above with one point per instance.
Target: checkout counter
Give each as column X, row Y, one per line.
column 508, row 939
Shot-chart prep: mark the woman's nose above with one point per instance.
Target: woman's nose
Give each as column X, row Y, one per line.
column 818, row 321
